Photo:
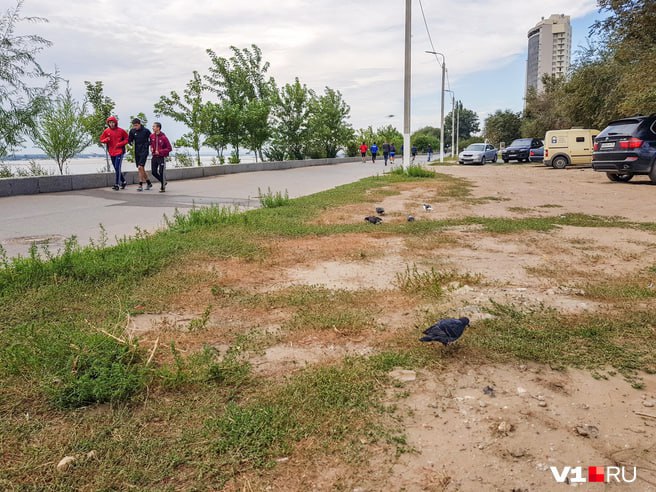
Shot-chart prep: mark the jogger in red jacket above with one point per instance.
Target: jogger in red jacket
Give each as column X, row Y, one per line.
column 160, row 148
column 116, row 139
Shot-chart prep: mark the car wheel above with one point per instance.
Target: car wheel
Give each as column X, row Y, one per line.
column 496, row 157
column 622, row 178
column 560, row 162
column 460, row 162
column 506, row 161
column 482, row 160
column 652, row 173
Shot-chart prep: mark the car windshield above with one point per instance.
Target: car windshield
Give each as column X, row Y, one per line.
column 522, row 142
column 624, row 128
column 478, row 147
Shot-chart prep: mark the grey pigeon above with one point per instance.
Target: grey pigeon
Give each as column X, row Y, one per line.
column 445, row 331
column 380, row 210
column 372, row 219
column 428, row 207
column 411, row 218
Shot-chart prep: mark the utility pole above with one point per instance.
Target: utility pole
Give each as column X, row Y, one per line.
column 407, row 87
column 453, row 121
column 458, row 129
column 442, row 104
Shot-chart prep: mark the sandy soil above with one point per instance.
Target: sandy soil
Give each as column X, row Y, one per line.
column 462, row 438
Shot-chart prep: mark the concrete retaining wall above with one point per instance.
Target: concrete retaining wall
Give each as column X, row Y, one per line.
column 50, row 184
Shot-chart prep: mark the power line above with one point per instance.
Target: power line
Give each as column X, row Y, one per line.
column 421, row 5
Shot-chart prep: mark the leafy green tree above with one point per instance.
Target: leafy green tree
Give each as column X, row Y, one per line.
column 328, row 124
column 60, row 130
column 546, row 110
column 469, row 124
column 188, row 110
column 291, row 113
column 213, row 125
column 20, row 102
column 503, row 126
column 426, row 136
column 242, row 86
column 391, row 135
column 102, row 108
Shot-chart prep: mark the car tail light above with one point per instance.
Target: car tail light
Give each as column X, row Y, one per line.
column 596, row 146
column 632, row 143
column 531, row 153
column 546, row 152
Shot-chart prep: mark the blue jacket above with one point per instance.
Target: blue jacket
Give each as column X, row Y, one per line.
column 374, row 149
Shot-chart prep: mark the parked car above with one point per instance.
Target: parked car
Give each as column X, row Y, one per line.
column 568, row 147
column 536, row 155
column 519, row 150
column 627, row 147
column 478, row 153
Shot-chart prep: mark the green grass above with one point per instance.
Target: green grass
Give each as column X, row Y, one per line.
column 432, row 283
column 413, row 171
column 273, row 200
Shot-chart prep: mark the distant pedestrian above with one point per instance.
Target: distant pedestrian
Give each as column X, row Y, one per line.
column 386, row 151
column 413, row 151
column 363, row 152
column 374, row 152
column 160, row 148
column 116, row 139
column 429, row 151
column 139, row 136
column 392, row 153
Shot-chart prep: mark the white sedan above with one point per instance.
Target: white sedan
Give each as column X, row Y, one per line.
column 478, row 153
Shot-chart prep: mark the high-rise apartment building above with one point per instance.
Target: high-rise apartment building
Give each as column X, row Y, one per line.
column 549, row 49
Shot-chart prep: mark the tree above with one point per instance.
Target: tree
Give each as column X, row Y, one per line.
column 187, row 109
column 241, row 85
column 426, row 136
column 469, row 124
column 60, row 131
column 503, row 126
column 328, row 125
column 213, row 125
column 102, row 106
column 546, row 110
column 291, row 113
column 20, row 102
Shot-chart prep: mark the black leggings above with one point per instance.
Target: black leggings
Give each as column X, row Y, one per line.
column 157, row 169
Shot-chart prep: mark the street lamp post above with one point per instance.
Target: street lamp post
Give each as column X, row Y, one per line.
column 458, row 129
column 407, row 89
column 442, row 104
column 453, row 121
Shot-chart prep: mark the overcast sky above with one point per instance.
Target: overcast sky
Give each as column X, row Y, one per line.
column 142, row 50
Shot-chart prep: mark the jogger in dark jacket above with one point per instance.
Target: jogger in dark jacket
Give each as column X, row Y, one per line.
column 160, row 148
column 139, row 136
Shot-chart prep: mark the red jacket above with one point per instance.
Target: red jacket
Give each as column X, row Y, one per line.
column 363, row 149
column 116, row 138
column 160, row 145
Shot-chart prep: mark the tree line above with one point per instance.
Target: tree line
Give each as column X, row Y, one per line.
column 612, row 78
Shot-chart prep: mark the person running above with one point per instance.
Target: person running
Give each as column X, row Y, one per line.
column 392, row 153
column 160, row 148
column 139, row 136
column 374, row 152
column 363, row 152
column 413, row 151
column 429, row 151
column 116, row 139
column 386, row 152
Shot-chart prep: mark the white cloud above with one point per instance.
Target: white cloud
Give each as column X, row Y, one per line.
column 142, row 50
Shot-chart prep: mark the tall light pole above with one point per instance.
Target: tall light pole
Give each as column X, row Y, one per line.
column 442, row 104
column 407, row 87
column 458, row 128
column 453, row 121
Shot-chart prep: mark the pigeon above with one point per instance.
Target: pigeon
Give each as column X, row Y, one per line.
column 411, row 218
column 445, row 331
column 380, row 210
column 427, row 207
column 372, row 219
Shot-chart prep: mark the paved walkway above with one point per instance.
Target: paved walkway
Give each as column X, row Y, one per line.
column 51, row 218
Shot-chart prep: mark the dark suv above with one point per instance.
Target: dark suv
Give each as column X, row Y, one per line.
column 520, row 150
column 627, row 147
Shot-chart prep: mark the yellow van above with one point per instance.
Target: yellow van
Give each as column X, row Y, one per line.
column 563, row 148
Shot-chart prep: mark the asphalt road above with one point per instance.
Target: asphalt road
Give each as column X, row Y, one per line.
column 49, row 219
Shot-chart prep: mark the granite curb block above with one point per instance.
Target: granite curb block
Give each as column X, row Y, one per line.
column 33, row 185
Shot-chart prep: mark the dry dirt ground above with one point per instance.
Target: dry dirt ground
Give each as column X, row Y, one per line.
column 460, row 437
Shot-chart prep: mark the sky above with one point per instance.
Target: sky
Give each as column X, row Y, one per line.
column 142, row 50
